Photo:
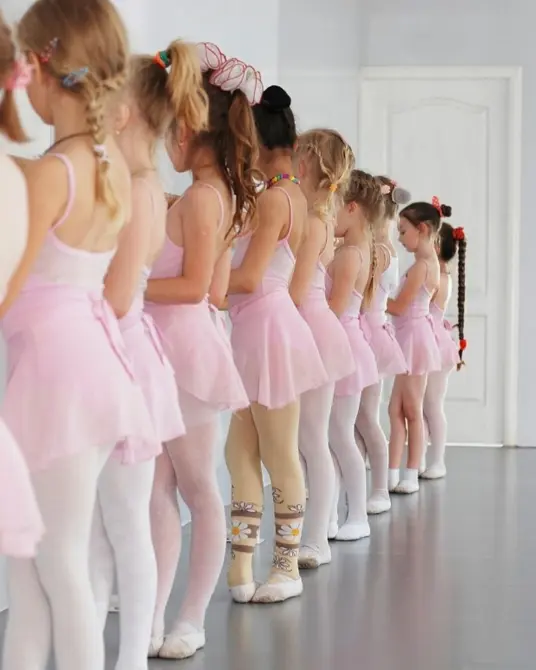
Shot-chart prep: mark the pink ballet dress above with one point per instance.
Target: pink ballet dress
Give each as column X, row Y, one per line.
column 197, row 345
column 379, row 331
column 443, row 331
column 152, row 367
column 273, row 346
column 366, row 371
column 415, row 332
column 70, row 384
column 328, row 332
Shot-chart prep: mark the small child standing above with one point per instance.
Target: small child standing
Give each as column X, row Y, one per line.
column 451, row 241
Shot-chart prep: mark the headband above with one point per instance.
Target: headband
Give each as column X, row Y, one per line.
column 230, row 74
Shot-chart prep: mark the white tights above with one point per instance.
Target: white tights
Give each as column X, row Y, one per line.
column 121, row 538
column 373, row 437
column 51, row 596
column 315, row 408
column 434, row 416
column 352, row 466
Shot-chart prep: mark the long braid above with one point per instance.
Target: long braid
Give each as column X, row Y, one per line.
column 462, row 248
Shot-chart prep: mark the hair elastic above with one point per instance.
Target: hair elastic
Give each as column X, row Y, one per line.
column 101, row 152
column 437, row 204
column 333, row 188
column 458, row 234
column 162, row 58
column 74, row 77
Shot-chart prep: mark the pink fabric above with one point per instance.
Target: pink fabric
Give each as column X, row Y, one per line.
column 188, row 463
column 416, row 335
column 328, row 332
column 273, row 346
column 443, row 330
column 70, row 383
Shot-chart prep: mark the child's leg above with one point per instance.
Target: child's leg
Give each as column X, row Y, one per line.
column 434, row 413
column 244, row 464
column 278, row 443
column 368, row 424
column 412, row 402
column 315, row 408
column 333, row 527
column 397, row 438
column 354, row 474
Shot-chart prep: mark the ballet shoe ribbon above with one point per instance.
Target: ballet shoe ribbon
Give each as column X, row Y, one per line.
column 154, row 335
column 104, row 314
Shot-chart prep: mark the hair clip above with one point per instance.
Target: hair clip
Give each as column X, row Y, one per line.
column 458, row 234
column 47, row 52
column 386, row 189
column 101, row 152
column 162, row 58
column 21, row 75
column 333, row 187
column 74, row 77
column 437, row 204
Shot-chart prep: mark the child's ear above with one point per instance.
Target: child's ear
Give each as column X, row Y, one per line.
column 121, row 117
column 352, row 207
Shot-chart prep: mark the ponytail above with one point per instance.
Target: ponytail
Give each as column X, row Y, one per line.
column 184, row 86
column 9, row 119
column 459, row 235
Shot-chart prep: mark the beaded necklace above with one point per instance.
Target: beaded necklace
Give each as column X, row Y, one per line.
column 279, row 177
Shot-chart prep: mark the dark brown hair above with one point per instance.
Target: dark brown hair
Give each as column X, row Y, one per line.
column 275, row 120
column 176, row 91
column 452, row 241
column 365, row 191
column 76, row 36
column 426, row 213
column 10, row 123
column 232, row 134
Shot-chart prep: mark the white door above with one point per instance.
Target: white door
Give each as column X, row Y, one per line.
column 449, row 136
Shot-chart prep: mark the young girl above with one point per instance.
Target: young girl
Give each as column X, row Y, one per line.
column 71, row 393
column 276, row 354
column 418, row 228
column 351, row 285
column 389, row 357
column 151, row 99
column 451, row 241
column 194, row 264
column 323, row 163
column 21, row 527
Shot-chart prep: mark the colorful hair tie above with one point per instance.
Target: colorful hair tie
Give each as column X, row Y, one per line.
column 437, row 204
column 458, row 234
column 101, row 152
column 74, row 77
column 47, row 52
column 162, row 58
column 333, row 187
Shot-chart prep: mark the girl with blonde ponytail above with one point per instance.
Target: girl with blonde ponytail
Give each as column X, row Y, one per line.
column 159, row 89
column 72, row 396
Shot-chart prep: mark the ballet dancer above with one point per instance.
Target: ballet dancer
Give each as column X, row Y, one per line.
column 122, row 530
column 380, row 333
column 71, row 393
column 194, row 266
column 278, row 359
column 21, row 526
column 450, row 241
column 415, row 332
column 351, row 285
column 323, row 164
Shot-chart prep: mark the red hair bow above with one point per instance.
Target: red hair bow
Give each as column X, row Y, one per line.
column 458, row 234
column 437, row 204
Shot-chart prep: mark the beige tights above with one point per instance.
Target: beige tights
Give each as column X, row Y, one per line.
column 257, row 435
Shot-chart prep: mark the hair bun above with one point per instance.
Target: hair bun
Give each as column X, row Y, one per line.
column 446, row 211
column 276, row 99
column 400, row 196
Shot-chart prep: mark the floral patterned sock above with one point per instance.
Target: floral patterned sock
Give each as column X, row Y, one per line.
column 288, row 531
column 244, row 531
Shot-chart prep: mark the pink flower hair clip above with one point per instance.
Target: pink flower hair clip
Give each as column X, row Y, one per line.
column 386, row 189
column 21, row 75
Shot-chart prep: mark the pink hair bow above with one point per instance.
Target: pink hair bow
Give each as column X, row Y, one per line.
column 437, row 204
column 230, row 74
column 21, row 75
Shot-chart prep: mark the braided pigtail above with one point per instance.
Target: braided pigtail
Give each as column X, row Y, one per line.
column 462, row 248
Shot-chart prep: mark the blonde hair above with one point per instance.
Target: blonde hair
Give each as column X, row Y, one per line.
column 75, row 36
column 332, row 160
column 165, row 92
column 10, row 123
column 365, row 190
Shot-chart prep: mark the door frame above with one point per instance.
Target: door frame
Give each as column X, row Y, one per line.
column 514, row 78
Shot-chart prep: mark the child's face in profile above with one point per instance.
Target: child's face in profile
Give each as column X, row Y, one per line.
column 408, row 235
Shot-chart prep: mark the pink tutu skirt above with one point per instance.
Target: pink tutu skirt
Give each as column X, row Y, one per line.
column 155, row 374
column 366, row 370
column 275, row 350
column 418, row 341
column 331, row 340
column 447, row 346
column 70, row 383
column 21, row 527
column 198, row 348
column 380, row 334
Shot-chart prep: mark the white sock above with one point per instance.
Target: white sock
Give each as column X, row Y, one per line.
column 409, row 483
column 393, row 478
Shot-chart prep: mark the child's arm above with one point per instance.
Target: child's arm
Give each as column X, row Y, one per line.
column 346, row 266
column 122, row 279
column 307, row 259
column 415, row 279
column 198, row 214
column 272, row 210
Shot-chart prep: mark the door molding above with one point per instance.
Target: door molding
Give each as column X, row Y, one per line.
column 514, row 79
